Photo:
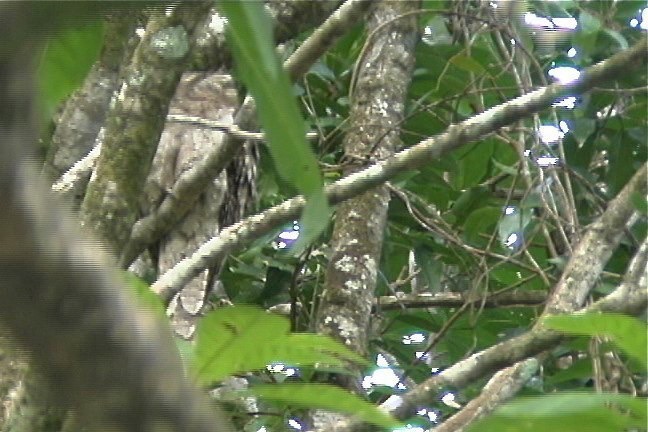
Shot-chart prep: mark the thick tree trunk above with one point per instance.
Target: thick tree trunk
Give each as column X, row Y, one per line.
column 377, row 108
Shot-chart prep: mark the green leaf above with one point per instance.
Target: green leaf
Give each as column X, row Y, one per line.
column 627, row 333
column 588, row 23
column 474, row 163
column 185, row 349
column 469, row 201
column 620, row 163
column 146, row 298
column 277, row 281
column 567, row 412
column 467, row 63
column 481, row 221
column 640, row 202
column 246, row 338
column 258, row 66
column 581, row 129
column 326, row 397
column 65, row 62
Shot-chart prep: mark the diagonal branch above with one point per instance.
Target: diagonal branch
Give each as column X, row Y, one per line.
column 503, row 386
column 506, row 383
column 540, row 339
column 135, row 121
column 115, row 365
column 188, row 187
column 470, row 130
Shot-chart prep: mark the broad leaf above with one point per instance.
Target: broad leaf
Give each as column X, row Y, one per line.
column 146, row 298
column 259, row 67
column 245, row 338
column 567, row 412
column 65, row 62
column 628, row 333
column 326, row 397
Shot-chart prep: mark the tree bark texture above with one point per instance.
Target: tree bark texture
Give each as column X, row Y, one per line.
column 135, row 122
column 85, row 110
column 114, row 364
column 377, row 108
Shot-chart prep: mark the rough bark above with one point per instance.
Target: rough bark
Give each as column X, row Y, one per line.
column 189, row 186
column 61, row 302
column 377, row 108
column 85, row 110
column 135, row 122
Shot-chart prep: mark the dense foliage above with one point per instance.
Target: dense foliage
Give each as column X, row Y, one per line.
column 478, row 238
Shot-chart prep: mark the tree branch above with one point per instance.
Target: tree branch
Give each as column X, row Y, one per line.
column 582, row 271
column 189, row 185
column 470, row 130
column 502, row 386
column 344, row 308
column 539, row 339
column 135, row 122
column 114, row 364
column 451, row 299
column 517, row 298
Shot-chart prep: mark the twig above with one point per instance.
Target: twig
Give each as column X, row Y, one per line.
column 418, row 155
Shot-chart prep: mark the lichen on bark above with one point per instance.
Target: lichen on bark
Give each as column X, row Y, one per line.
column 377, row 108
column 135, row 122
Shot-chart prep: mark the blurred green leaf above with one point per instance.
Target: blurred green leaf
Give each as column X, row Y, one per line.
column 147, row 298
column 466, row 63
column 258, row 66
column 474, row 163
column 277, row 281
column 186, row 351
column 326, row 397
column 245, row 338
column 620, row 160
column 627, row 333
column 579, row 370
column 566, row 412
column 588, row 23
column 65, row 62
column 581, row 129
column 480, row 224
column 469, row 201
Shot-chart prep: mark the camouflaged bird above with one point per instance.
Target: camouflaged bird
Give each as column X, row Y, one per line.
column 211, row 96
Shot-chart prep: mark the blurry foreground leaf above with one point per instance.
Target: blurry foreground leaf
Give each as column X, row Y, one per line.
column 258, row 66
column 627, row 333
column 567, row 412
column 326, row 397
column 246, row 338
